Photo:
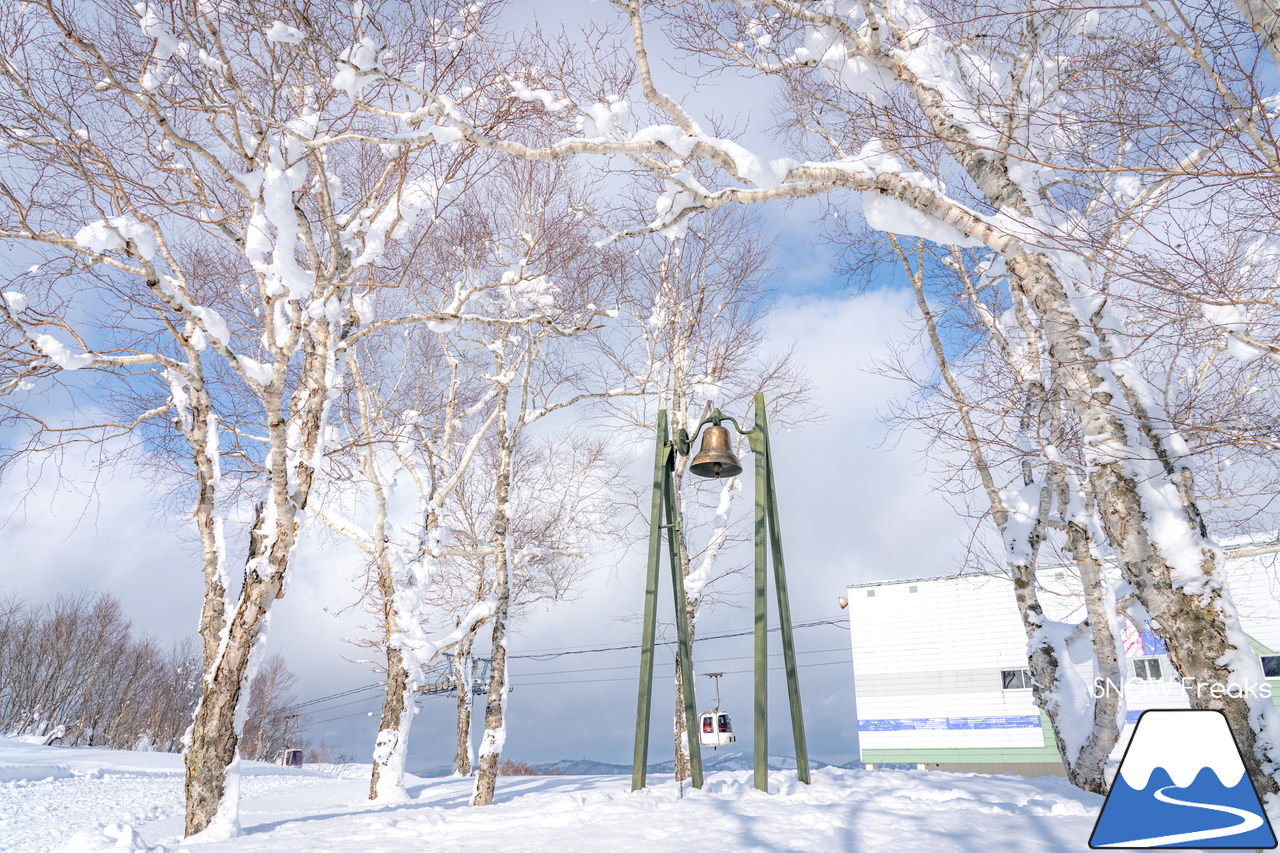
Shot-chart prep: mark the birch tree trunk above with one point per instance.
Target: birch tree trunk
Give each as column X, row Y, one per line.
column 1090, row 768
column 386, row 782
column 203, row 437
column 462, row 678
column 1134, row 486
column 1134, row 480
column 293, row 431
column 398, row 707
column 495, row 733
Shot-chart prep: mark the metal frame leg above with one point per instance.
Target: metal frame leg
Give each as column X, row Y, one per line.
column 760, row 728
column 645, row 702
column 784, row 604
column 662, row 506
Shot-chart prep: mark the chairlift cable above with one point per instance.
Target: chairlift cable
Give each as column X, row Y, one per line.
column 727, row 672
column 368, row 713
column 551, row 655
column 632, row 666
column 542, row 656
column 548, row 683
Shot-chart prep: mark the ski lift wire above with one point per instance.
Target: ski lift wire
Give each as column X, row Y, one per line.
column 550, row 655
column 708, row 660
column 368, row 713
column 727, row 672
column 545, row 656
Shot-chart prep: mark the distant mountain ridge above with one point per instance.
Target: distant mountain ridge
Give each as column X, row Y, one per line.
column 724, row 760
column 718, row 760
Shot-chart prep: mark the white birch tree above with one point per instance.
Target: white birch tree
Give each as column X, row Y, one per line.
column 958, row 125
column 412, row 435
column 564, row 512
column 211, row 193
column 558, row 291
column 512, row 266
column 989, row 399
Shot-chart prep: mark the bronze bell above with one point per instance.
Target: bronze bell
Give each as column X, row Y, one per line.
column 714, row 458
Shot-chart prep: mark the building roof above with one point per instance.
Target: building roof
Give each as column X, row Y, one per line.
column 958, row 576
column 1240, row 546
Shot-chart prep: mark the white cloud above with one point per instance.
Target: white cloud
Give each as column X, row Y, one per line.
column 850, row 512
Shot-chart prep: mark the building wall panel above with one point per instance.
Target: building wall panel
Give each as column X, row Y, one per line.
column 928, row 656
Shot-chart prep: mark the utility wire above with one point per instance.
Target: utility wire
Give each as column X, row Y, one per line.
column 353, row 691
column 632, row 666
column 343, row 717
column 344, row 705
column 552, row 655
column 545, row 656
column 608, row 669
column 590, row 681
column 729, row 672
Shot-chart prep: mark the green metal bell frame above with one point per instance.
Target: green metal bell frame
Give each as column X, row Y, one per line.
column 716, row 460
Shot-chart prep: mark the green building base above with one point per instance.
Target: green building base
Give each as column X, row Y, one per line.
column 1043, row 760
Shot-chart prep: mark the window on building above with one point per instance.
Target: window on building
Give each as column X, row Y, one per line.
column 1015, row 679
column 1146, row 669
column 913, row 589
column 1271, row 666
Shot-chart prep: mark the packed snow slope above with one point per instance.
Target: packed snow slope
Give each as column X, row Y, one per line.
column 94, row 801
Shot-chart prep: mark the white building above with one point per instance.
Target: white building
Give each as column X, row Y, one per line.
column 940, row 666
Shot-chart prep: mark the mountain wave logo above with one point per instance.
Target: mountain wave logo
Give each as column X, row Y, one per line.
column 1182, row 783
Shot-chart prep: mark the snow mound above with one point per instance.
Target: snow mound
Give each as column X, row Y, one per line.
column 32, row 772
column 112, row 838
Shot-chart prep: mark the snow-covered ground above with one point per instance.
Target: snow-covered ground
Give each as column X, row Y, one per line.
column 93, row 801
